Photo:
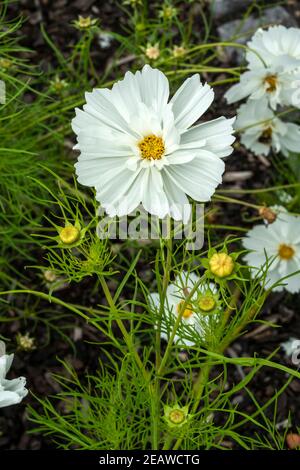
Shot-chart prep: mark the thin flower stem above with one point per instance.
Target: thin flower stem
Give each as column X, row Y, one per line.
column 156, row 385
column 126, row 335
column 221, row 198
column 203, row 376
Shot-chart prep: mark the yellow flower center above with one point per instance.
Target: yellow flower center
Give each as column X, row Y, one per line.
column 152, row 147
column 221, row 264
column 286, row 252
column 266, row 136
column 69, row 234
column 177, row 416
column 207, row 303
column 188, row 312
column 271, row 82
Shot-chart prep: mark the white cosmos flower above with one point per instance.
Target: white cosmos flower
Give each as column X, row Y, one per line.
column 275, row 84
column 274, row 68
column 261, row 130
column 200, row 314
column 138, row 147
column 277, row 45
column 278, row 242
column 11, row 391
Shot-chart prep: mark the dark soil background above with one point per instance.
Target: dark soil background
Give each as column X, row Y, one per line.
column 243, row 171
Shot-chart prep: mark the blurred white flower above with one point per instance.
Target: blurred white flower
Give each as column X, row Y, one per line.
column 274, row 68
column 279, row 243
column 105, row 40
column 290, row 346
column 138, row 147
column 261, row 131
column 199, row 316
column 11, row 391
column 276, row 46
column 284, row 196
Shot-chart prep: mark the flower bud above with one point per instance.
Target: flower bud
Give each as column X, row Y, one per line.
column 176, row 416
column 207, row 303
column 293, row 441
column 221, row 264
column 268, row 214
column 25, row 342
column 69, row 234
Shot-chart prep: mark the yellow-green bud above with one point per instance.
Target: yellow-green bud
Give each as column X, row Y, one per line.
column 221, row 264
column 69, row 234
column 206, row 303
column 177, row 416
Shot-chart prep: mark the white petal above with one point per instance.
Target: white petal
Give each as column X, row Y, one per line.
column 154, row 199
column 217, row 135
column 200, row 177
column 191, row 101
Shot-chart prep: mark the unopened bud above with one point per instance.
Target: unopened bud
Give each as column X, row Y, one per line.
column 293, row 441
column 268, row 214
column 221, row 264
column 69, row 234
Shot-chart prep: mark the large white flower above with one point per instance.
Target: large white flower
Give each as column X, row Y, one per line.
column 261, row 130
column 274, row 68
column 200, row 315
column 279, row 243
column 11, row 391
column 138, row 147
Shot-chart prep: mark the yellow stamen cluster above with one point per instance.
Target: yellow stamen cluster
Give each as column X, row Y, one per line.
column 271, row 82
column 152, row 147
column 69, row 234
column 207, row 303
column 221, row 264
column 285, row 252
column 266, row 136
column 177, row 416
column 187, row 313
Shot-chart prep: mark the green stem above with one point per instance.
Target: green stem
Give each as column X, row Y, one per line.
column 126, row 335
column 156, row 385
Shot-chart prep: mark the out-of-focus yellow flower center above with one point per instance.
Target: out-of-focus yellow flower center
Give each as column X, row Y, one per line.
column 207, row 303
column 188, row 312
column 286, row 252
column 152, row 147
column 271, row 82
column 69, row 234
column 221, row 264
column 266, row 136
column 177, row 416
